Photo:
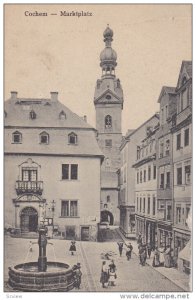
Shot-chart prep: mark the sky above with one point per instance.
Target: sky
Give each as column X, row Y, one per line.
column 61, row 53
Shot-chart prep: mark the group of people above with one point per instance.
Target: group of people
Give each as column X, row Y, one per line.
column 128, row 249
column 108, row 274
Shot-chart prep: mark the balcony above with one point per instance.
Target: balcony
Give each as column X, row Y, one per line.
column 23, row 187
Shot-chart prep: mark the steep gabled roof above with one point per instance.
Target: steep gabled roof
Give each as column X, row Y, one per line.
column 47, row 114
column 166, row 90
column 185, row 70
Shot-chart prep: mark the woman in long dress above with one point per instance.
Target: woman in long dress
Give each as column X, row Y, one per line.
column 104, row 274
column 112, row 274
column 156, row 258
column 167, row 262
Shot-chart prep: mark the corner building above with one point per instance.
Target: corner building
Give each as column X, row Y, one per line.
column 108, row 101
column 51, row 159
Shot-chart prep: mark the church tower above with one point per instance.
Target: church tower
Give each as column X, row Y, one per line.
column 108, row 101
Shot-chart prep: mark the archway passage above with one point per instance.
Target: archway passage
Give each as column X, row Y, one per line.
column 29, row 219
column 107, row 216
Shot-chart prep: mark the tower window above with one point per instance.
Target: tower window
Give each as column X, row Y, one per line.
column 17, row 137
column 108, row 143
column 32, row 115
column 72, row 137
column 108, row 121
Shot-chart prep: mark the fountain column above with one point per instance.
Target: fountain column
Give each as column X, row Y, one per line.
column 42, row 242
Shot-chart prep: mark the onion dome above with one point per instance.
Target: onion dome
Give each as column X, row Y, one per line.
column 108, row 56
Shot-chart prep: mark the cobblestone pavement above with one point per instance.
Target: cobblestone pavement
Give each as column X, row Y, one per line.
column 131, row 276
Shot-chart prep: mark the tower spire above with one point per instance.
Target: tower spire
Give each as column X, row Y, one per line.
column 108, row 56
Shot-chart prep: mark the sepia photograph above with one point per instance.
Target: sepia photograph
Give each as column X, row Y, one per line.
column 97, row 149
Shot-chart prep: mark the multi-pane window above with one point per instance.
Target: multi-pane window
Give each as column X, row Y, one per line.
column 149, row 173
column 32, row 115
column 44, row 138
column 108, row 121
column 137, row 177
column 178, row 141
column 148, row 205
column 144, row 175
column 153, row 206
column 162, row 181
column 167, row 146
column 108, row 143
column 186, row 137
column 154, row 172
column 168, row 180
column 140, row 176
column 179, row 176
column 161, row 149
column 70, row 171
column 140, row 204
column 29, row 174
column 72, row 138
column 187, row 171
column 169, row 212
column 178, row 214
column 17, row 137
column 144, row 205
column 69, row 208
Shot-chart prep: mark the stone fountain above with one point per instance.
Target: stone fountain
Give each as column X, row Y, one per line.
column 42, row 276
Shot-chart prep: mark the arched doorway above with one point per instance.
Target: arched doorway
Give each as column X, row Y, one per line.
column 29, row 219
column 107, row 216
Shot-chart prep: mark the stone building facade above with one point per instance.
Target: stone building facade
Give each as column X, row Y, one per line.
column 127, row 188
column 167, row 100
column 108, row 101
column 51, row 159
column 182, row 164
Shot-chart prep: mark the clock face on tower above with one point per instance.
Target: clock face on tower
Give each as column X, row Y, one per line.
column 108, row 97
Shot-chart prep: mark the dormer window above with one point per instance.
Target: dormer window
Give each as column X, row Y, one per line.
column 62, row 115
column 17, row 137
column 32, row 115
column 44, row 138
column 108, row 121
column 72, row 138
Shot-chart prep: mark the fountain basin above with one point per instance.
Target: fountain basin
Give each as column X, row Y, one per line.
column 59, row 277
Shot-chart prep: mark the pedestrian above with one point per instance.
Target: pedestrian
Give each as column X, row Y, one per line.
column 167, row 257
column 104, row 275
column 156, row 258
column 175, row 257
column 112, row 274
column 120, row 248
column 139, row 239
column 143, row 255
column 78, row 275
column 72, row 248
column 149, row 250
column 129, row 251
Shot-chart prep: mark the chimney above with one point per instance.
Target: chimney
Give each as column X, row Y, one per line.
column 14, row 95
column 85, row 118
column 54, row 96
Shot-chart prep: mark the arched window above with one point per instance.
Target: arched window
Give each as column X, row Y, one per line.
column 108, row 199
column 32, row 115
column 184, row 80
column 62, row 115
column 44, row 138
column 17, row 137
column 72, row 138
column 108, row 121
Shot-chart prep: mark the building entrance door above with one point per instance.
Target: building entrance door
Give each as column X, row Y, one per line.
column 29, row 219
column 85, row 233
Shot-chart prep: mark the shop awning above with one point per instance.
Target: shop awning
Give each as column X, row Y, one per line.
column 185, row 253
